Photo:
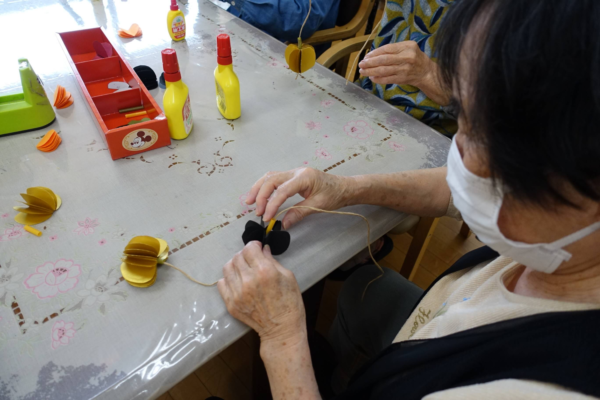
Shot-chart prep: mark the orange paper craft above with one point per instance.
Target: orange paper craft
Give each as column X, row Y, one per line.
column 132, row 32
column 62, row 98
column 49, row 142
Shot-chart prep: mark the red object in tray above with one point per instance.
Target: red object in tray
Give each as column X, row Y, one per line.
column 94, row 74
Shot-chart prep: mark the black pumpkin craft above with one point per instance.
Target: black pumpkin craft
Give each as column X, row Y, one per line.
column 277, row 239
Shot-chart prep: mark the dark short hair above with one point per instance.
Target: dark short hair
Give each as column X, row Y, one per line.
column 535, row 87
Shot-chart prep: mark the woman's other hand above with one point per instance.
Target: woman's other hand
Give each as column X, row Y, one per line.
column 258, row 291
column 320, row 190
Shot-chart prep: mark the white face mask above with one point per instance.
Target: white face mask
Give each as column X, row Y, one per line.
column 480, row 205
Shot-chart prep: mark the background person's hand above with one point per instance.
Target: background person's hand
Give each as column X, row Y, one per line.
column 258, row 291
column 400, row 63
column 320, row 190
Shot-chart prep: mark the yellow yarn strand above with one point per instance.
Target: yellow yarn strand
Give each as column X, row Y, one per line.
column 189, row 277
column 304, row 23
column 345, row 213
column 367, row 41
column 317, row 210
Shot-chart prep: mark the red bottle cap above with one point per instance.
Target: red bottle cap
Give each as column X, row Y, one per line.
column 223, row 49
column 174, row 6
column 170, row 65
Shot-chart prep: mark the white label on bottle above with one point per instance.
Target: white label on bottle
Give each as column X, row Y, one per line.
column 221, row 99
column 188, row 120
column 178, row 27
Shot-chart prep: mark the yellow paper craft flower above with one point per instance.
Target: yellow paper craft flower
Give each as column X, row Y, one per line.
column 141, row 257
column 41, row 202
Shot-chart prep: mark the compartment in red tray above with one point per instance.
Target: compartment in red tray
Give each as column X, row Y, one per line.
column 80, row 44
column 109, row 105
column 97, row 74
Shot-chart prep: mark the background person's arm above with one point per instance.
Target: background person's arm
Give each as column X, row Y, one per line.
column 404, row 63
column 282, row 19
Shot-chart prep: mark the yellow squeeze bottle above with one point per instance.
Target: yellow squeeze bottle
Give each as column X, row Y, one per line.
column 176, row 100
column 227, row 84
column 176, row 22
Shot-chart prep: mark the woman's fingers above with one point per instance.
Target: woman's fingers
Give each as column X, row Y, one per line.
column 379, row 61
column 295, row 215
column 252, row 254
column 270, row 184
column 379, row 71
column 284, row 192
column 251, row 198
column 384, row 80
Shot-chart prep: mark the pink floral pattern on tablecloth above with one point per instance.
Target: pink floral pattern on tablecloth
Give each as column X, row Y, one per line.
column 5, row 215
column 62, row 333
column 102, row 242
column 50, row 279
column 86, row 227
column 358, row 129
column 305, row 163
column 323, row 154
column 171, row 230
column 396, row 146
column 327, row 103
column 313, row 125
column 12, row 233
column 274, row 63
column 326, row 136
column 53, row 238
column 393, row 120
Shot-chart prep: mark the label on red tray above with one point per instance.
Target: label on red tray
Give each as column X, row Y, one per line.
column 178, row 27
column 188, row 120
column 139, row 139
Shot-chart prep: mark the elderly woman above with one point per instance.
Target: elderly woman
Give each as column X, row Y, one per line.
column 519, row 321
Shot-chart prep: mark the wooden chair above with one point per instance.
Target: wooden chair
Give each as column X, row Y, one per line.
column 353, row 15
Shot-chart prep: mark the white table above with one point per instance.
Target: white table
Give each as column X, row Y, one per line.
column 136, row 343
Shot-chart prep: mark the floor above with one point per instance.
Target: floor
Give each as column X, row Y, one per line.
column 229, row 375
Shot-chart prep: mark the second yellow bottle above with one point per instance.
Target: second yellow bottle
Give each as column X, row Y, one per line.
column 227, row 84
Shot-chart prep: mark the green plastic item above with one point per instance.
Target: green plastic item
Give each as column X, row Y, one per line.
column 29, row 110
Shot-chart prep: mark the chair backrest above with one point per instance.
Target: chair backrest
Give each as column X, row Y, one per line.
column 347, row 11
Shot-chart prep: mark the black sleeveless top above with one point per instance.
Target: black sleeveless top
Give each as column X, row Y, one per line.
column 558, row 347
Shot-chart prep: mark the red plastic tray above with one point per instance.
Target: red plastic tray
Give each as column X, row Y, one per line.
column 93, row 75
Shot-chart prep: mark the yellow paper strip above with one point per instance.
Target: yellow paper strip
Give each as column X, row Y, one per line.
column 33, row 231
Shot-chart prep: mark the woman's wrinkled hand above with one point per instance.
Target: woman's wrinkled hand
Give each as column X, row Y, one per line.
column 258, row 291
column 320, row 190
column 400, row 63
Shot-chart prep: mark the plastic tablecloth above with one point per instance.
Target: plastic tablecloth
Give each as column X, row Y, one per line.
column 69, row 326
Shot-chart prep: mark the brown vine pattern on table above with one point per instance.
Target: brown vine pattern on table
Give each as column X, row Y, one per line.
column 219, row 163
column 329, row 93
column 356, row 154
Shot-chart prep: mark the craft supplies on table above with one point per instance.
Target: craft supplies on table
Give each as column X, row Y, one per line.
column 94, row 76
column 41, row 203
column 132, row 32
column 62, row 98
column 49, row 142
column 176, row 22
column 33, row 231
column 227, row 83
column 29, row 109
column 176, row 99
